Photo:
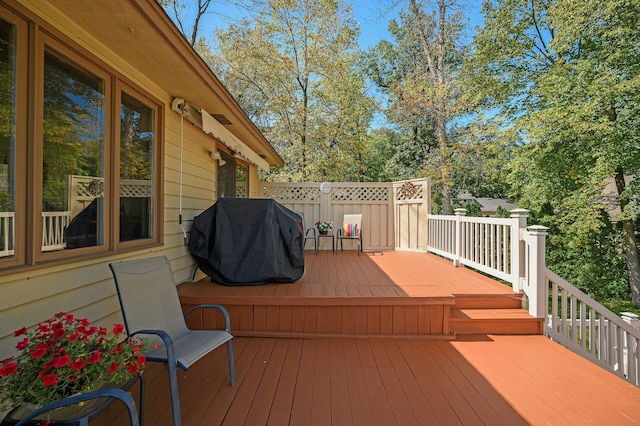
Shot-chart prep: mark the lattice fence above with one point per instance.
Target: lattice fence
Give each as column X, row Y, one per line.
column 391, row 212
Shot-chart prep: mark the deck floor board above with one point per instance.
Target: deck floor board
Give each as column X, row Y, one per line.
column 470, row 379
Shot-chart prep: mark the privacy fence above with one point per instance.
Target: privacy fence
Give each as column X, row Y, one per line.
column 394, row 214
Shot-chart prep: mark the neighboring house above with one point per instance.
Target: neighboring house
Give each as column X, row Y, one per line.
column 488, row 206
column 103, row 156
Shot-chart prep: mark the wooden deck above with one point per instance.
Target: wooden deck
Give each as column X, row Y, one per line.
column 483, row 380
column 375, row 294
column 297, row 363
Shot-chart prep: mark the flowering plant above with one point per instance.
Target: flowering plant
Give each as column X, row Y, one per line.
column 64, row 356
column 324, row 226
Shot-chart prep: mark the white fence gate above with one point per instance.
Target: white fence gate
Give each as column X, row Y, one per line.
column 394, row 214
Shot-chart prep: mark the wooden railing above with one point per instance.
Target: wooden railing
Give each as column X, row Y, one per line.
column 53, row 226
column 7, row 229
column 508, row 250
column 591, row 330
column 483, row 243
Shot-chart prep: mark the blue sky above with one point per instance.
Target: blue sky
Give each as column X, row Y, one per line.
column 373, row 16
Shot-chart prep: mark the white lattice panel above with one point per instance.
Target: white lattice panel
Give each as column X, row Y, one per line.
column 360, row 194
column 291, row 193
column 138, row 188
column 409, row 191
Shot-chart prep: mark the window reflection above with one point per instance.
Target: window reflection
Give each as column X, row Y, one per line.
column 136, row 169
column 7, row 137
column 73, row 156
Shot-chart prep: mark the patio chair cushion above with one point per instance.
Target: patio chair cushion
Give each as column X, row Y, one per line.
column 350, row 229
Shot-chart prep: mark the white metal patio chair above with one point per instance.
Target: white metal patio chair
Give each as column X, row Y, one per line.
column 151, row 307
column 351, row 229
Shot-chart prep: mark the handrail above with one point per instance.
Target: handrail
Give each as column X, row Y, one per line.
column 486, row 244
column 586, row 327
column 573, row 319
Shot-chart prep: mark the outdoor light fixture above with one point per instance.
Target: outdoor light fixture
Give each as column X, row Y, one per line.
column 215, row 156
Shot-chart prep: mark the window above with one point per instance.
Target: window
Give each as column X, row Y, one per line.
column 233, row 179
column 85, row 181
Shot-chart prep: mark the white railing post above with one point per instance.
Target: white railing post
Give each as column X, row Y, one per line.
column 460, row 213
column 518, row 253
column 536, row 286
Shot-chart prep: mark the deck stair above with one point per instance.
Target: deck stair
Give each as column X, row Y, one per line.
column 492, row 314
column 395, row 294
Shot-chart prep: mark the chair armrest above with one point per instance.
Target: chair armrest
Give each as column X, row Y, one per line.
column 117, row 393
column 339, row 232
column 166, row 339
column 227, row 323
column 309, row 230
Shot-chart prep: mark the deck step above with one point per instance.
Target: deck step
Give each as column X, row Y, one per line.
column 494, row 321
column 485, row 301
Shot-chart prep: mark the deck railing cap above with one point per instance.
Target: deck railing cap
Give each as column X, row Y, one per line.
column 519, row 213
column 538, row 229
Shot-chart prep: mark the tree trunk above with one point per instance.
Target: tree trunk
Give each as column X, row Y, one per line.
column 630, row 244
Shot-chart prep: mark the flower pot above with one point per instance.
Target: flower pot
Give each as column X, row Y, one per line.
column 323, row 232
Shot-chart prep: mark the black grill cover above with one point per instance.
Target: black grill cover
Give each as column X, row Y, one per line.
column 248, row 241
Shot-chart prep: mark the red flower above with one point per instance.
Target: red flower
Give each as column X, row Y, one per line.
column 77, row 364
column 113, row 367
column 94, row 357
column 133, row 369
column 22, row 344
column 118, row 328
column 49, row 379
column 20, row 332
column 72, row 337
column 141, row 359
column 44, row 328
column 39, row 351
column 8, row 369
column 61, row 361
column 156, row 346
column 69, row 318
column 116, row 351
column 48, row 422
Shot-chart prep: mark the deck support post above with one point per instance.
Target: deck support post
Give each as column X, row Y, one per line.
column 459, row 212
column 518, row 260
column 536, row 286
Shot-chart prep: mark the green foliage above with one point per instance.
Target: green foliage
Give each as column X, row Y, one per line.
column 293, row 68
column 501, row 212
column 473, row 209
column 567, row 75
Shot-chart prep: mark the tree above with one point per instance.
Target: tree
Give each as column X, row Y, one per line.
column 568, row 76
column 418, row 74
column 292, row 67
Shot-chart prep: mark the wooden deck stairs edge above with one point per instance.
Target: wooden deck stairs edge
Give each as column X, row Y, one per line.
column 365, row 317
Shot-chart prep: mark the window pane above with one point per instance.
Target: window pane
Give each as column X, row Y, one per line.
column 7, row 136
column 226, row 176
column 241, row 181
column 136, row 169
column 73, row 156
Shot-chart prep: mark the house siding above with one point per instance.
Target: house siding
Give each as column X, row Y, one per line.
column 86, row 287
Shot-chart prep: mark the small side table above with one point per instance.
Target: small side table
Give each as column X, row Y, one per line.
column 333, row 241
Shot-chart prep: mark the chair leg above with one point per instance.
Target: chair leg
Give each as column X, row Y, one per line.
column 175, row 396
column 232, row 371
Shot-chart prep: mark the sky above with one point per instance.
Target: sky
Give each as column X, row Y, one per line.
column 372, row 15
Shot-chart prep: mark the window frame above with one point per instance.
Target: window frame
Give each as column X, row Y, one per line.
column 33, row 39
